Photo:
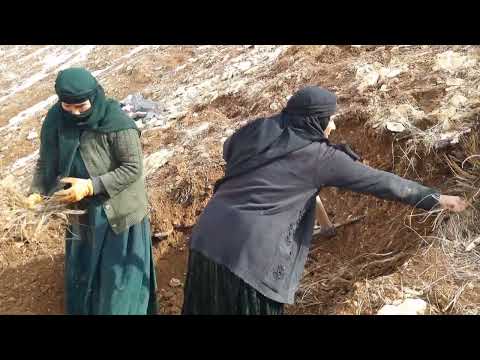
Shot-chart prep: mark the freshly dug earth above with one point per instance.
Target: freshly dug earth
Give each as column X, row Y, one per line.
column 31, row 273
column 36, row 285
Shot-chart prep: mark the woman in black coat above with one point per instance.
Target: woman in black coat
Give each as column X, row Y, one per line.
column 249, row 247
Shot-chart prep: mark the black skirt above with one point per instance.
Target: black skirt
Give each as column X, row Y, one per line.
column 212, row 289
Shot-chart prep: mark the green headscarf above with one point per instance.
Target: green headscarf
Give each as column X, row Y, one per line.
column 73, row 86
column 76, row 85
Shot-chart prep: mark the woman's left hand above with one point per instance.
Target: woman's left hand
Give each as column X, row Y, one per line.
column 453, row 203
column 80, row 189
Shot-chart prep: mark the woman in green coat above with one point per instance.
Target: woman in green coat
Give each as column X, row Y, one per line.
column 91, row 156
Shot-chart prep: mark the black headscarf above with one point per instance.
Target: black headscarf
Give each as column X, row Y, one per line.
column 264, row 140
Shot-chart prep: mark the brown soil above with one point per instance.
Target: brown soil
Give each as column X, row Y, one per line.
column 36, row 287
column 38, row 283
column 179, row 190
column 177, row 205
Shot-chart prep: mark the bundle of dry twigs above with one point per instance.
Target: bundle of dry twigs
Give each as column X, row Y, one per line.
column 20, row 222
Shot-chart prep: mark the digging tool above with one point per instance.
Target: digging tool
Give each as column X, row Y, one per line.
column 321, row 214
column 325, row 225
column 319, row 230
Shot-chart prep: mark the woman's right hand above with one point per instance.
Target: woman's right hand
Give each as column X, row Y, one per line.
column 453, row 203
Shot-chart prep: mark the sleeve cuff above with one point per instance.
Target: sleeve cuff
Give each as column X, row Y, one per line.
column 98, row 187
column 429, row 202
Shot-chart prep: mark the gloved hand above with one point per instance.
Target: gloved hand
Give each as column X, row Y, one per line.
column 33, row 200
column 80, row 188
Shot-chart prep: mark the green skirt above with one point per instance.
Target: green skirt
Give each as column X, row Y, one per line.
column 212, row 289
column 107, row 273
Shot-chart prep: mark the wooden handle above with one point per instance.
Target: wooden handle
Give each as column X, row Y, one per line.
column 321, row 214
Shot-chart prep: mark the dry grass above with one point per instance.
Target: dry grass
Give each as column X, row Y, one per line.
column 451, row 259
column 458, row 234
column 335, row 280
column 20, row 223
column 444, row 269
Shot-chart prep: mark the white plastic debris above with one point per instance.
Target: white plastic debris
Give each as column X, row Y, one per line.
column 407, row 307
column 395, row 126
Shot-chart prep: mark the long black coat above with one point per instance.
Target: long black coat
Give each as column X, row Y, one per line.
column 260, row 224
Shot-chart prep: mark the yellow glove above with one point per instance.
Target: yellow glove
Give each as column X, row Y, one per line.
column 80, row 188
column 33, row 200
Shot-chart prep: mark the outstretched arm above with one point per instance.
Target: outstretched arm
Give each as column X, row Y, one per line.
column 339, row 170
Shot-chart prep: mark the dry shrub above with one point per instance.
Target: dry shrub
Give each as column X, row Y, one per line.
column 459, row 233
column 444, row 269
column 336, row 280
column 452, row 261
column 21, row 223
